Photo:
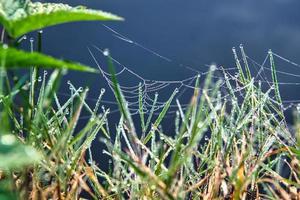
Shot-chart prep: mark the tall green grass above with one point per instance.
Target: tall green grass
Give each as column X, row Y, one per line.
column 238, row 147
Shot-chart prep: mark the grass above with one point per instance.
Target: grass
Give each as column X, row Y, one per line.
column 222, row 148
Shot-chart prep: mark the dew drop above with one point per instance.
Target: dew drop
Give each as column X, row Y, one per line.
column 80, row 89
column 200, row 125
column 106, row 52
column 298, row 107
column 102, row 90
column 22, row 39
column 92, row 119
column 213, row 67
column 269, row 51
column 39, row 79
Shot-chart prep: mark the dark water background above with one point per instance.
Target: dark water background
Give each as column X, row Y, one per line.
column 193, row 32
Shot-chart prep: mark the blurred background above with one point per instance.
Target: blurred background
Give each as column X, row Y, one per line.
column 192, row 33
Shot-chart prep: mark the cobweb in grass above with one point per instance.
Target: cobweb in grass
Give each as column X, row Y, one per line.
column 150, row 89
column 134, row 85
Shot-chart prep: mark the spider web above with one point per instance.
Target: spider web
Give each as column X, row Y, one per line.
column 131, row 82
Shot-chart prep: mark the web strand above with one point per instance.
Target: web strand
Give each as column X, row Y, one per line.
column 149, row 87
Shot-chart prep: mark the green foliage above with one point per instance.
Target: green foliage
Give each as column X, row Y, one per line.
column 54, row 154
column 42, row 155
column 22, row 16
column 220, row 148
column 13, row 58
column 7, row 195
column 15, row 155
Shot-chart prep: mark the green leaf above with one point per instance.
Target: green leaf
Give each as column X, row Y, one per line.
column 16, row 58
column 15, row 154
column 8, row 196
column 22, row 16
column 6, row 190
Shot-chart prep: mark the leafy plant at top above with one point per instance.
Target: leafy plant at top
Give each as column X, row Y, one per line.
column 14, row 58
column 22, row 16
